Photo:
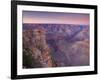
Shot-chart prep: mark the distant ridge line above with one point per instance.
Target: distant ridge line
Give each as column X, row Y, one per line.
column 52, row 24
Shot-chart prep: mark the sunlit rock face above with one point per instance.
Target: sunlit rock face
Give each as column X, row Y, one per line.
column 38, row 49
column 55, row 45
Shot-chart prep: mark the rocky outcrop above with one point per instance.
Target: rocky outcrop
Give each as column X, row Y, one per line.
column 36, row 49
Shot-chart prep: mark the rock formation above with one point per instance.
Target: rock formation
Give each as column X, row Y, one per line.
column 55, row 45
column 39, row 51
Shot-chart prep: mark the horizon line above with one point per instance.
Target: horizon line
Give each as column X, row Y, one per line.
column 57, row 23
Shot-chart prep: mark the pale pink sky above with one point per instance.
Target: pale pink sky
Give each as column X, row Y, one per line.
column 54, row 17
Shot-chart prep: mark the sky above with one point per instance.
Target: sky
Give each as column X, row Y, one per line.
column 55, row 17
